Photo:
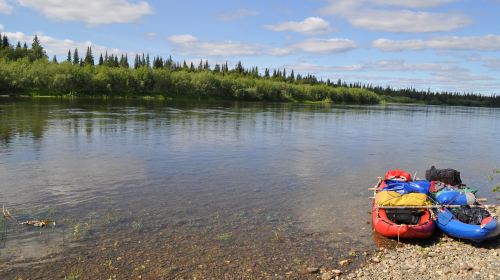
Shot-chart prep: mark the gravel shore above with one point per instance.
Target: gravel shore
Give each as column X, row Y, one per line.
column 446, row 258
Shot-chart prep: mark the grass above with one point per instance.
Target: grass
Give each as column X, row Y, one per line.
column 225, row 236
column 3, row 228
column 75, row 274
column 75, row 231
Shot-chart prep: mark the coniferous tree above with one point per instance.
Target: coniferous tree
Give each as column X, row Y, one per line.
column 89, row 58
column 68, row 59
column 136, row 61
column 5, row 42
column 54, row 59
column 37, row 50
column 101, row 60
column 239, row 68
column 18, row 52
column 76, row 58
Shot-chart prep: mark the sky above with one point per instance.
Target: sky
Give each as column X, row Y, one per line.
column 441, row 45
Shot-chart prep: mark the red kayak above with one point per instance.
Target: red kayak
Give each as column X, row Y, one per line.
column 401, row 223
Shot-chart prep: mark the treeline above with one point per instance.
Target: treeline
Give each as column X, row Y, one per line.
column 28, row 70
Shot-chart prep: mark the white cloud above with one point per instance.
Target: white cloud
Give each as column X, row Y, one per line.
column 389, row 45
column 325, row 45
column 399, row 65
column 189, row 45
column 489, row 62
column 90, row 12
column 5, row 7
column 306, row 67
column 151, row 35
column 60, row 47
column 182, row 39
column 309, row 26
column 415, row 3
column 401, row 74
column 484, row 43
column 317, row 46
column 234, row 15
column 2, row 27
column 391, row 65
column 492, row 63
column 363, row 14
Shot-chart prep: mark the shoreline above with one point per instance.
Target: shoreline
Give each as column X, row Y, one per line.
column 442, row 258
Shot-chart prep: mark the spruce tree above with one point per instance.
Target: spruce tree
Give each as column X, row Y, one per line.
column 136, row 61
column 54, row 59
column 37, row 49
column 76, row 58
column 5, row 42
column 68, row 59
column 101, row 60
column 89, row 58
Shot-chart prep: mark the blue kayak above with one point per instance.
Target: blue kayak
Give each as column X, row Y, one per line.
column 450, row 225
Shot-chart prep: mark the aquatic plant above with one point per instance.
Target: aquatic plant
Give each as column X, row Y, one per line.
column 75, row 274
column 225, row 236
column 3, row 228
column 75, row 231
column 496, row 187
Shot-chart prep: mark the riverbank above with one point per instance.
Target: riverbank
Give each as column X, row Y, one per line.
column 447, row 258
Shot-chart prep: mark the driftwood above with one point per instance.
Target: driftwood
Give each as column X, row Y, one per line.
column 38, row 223
column 35, row 223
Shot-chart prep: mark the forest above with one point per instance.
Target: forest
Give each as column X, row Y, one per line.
column 28, row 71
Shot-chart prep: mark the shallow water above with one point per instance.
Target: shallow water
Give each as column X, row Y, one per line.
column 212, row 190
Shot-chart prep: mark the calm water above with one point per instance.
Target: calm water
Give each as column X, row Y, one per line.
column 168, row 190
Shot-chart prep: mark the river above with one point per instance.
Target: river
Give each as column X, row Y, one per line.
column 163, row 189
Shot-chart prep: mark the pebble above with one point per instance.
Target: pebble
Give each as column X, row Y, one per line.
column 327, row 275
column 312, row 270
column 447, row 259
column 344, row 262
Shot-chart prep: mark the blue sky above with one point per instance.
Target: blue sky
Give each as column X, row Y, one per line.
column 438, row 44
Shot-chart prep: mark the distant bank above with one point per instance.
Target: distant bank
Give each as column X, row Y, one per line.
column 28, row 71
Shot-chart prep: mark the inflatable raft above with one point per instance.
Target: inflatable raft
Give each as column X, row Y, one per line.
column 398, row 190
column 423, row 228
column 451, row 225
